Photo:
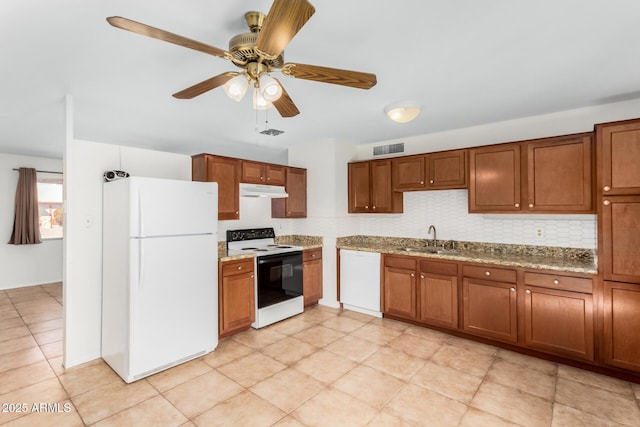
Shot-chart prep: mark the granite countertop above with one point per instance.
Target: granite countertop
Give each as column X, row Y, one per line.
column 538, row 257
column 305, row 242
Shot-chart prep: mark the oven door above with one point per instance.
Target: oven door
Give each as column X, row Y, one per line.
column 279, row 277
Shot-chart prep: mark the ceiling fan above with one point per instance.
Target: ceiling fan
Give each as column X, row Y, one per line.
column 258, row 53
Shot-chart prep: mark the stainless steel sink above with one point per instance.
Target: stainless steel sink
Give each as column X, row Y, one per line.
column 430, row 250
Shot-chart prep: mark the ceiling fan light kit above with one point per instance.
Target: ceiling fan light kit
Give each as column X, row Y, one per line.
column 402, row 113
column 258, row 53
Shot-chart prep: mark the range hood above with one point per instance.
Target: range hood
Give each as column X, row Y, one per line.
column 259, row 190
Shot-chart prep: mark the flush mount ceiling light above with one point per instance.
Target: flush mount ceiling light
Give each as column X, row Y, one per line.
column 402, row 113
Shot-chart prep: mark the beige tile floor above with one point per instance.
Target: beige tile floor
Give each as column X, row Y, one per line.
column 321, row 368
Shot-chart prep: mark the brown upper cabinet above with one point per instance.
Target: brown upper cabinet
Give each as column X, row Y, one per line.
column 294, row 206
column 435, row 171
column 262, row 173
column 226, row 172
column 370, row 188
column 550, row 175
column 619, row 157
column 494, row 178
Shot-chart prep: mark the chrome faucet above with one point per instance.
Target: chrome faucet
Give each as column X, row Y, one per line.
column 435, row 242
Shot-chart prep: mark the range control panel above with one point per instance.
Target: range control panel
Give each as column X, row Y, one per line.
column 250, row 234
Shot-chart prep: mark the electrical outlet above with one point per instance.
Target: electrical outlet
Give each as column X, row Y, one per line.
column 539, row 232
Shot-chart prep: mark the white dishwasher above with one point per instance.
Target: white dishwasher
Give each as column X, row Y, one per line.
column 360, row 281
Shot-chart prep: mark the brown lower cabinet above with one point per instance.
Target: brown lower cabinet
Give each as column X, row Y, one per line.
column 236, row 297
column 621, row 325
column 312, row 276
column 539, row 311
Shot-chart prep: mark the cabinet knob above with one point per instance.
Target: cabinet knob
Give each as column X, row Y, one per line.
column 556, row 282
column 606, row 188
column 288, row 213
column 487, row 273
column 430, row 181
column 422, row 276
column 606, row 203
column 421, row 182
column 239, row 267
column 512, row 289
column 530, row 205
column 313, row 255
column 262, row 178
column 252, row 276
column 269, row 179
column 517, row 205
column 374, row 208
column 237, row 212
column 528, row 292
column 366, row 207
column 413, row 275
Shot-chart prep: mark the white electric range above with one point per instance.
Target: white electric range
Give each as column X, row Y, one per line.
column 278, row 273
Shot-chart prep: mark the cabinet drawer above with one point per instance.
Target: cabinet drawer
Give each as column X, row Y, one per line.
column 230, row 268
column 407, row 263
column 553, row 281
column 489, row 273
column 311, row 254
column 444, row 268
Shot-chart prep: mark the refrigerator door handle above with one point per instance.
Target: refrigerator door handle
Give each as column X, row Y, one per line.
column 140, row 262
column 140, row 215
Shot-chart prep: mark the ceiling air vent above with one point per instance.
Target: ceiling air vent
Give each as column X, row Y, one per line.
column 272, row 132
column 388, row 149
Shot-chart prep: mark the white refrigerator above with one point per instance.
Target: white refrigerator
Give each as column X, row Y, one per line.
column 160, row 274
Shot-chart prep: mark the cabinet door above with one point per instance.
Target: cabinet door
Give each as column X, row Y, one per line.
column 619, row 157
column 447, row 169
column 226, row 172
column 621, row 325
column 621, row 238
column 312, row 281
column 559, row 322
column 237, row 302
column 276, row 175
column 294, row 206
column 399, row 292
column 253, row 172
column 559, row 177
column 490, row 309
column 494, row 178
column 383, row 198
column 438, row 299
column 359, row 187
column 409, row 173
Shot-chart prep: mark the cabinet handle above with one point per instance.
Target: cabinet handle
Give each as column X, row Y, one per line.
column 606, row 203
column 517, row 205
column 413, row 275
column 527, row 291
column 556, row 282
column 530, row 205
column 512, row 289
column 487, row 273
column 422, row 276
column 430, row 181
column 606, row 188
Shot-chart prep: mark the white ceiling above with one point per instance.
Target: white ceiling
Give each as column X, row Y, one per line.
column 467, row 62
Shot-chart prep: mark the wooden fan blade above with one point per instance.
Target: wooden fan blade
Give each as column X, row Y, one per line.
column 330, row 75
column 156, row 33
column 284, row 20
column 284, row 104
column 204, row 86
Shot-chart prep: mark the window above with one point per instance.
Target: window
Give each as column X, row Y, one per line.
column 50, row 206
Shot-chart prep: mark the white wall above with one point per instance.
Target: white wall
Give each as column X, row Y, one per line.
column 83, row 258
column 25, row 265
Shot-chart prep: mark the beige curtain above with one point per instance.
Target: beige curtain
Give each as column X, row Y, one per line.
column 26, row 225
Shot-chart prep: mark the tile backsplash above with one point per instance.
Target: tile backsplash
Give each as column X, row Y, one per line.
column 445, row 209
